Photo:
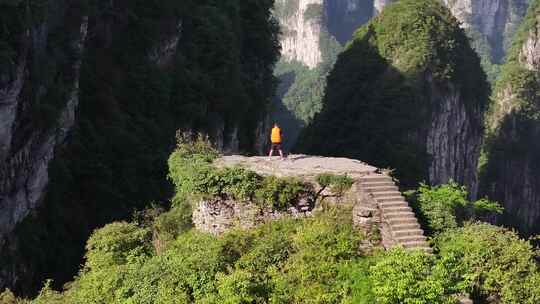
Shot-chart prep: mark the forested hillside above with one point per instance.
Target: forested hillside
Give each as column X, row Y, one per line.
column 95, row 92
column 407, row 93
column 512, row 154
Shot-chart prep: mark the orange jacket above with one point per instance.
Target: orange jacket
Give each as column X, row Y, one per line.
column 276, row 135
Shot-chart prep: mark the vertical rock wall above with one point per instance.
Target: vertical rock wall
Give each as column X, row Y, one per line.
column 27, row 148
column 454, row 138
column 301, row 29
column 510, row 173
column 497, row 20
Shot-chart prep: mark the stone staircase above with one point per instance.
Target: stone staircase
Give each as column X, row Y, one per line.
column 394, row 211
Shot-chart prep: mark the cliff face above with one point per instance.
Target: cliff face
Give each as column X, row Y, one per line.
column 27, row 143
column 87, row 119
column 491, row 22
column 312, row 31
column 496, row 20
column 303, row 22
column 301, row 28
column 512, row 154
column 418, row 110
column 454, row 137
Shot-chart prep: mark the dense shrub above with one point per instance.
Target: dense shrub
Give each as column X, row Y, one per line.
column 489, row 261
column 407, row 277
column 338, row 184
column 285, row 261
column 445, row 207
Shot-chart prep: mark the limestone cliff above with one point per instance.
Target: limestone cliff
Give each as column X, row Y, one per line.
column 304, row 22
column 27, row 143
column 301, row 28
column 491, row 23
column 512, row 154
column 310, row 46
column 496, row 20
column 409, row 103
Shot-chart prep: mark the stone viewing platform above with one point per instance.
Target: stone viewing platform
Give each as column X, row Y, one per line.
column 378, row 207
column 299, row 165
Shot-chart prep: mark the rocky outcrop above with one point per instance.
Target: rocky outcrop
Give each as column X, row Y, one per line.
column 510, row 172
column 378, row 208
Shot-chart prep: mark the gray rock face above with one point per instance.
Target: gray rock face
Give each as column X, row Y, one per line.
column 378, row 5
column 301, row 29
column 454, row 139
column 304, row 21
column 343, row 17
column 530, row 51
column 23, row 173
column 497, row 20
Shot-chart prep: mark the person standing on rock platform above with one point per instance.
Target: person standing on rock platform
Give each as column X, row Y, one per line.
column 275, row 139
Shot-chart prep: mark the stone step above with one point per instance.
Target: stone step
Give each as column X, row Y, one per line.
column 380, row 189
column 407, row 232
column 375, row 178
column 400, row 227
column 377, row 184
column 390, row 199
column 385, row 194
column 403, row 221
column 394, row 209
column 399, row 215
column 411, row 238
column 393, row 204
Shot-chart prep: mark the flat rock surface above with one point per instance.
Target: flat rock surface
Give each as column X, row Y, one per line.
column 299, row 165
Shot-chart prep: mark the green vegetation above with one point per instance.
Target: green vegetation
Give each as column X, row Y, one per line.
column 486, row 260
column 446, row 207
column 378, row 101
column 290, row 260
column 307, row 260
column 338, row 184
